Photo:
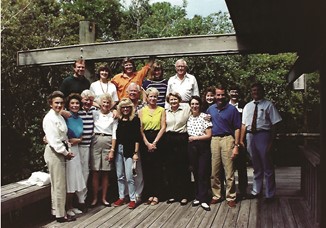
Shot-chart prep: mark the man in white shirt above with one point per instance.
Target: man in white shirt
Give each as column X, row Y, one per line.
column 183, row 83
column 259, row 118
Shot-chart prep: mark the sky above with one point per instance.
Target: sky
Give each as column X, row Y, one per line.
column 199, row 7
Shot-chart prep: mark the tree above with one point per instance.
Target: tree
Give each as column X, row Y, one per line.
column 28, row 25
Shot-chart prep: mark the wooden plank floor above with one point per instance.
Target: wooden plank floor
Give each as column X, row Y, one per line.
column 288, row 210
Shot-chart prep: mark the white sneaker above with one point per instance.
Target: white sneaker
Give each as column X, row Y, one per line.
column 76, row 211
column 71, row 213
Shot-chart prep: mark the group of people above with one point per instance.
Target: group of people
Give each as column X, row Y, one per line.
column 158, row 135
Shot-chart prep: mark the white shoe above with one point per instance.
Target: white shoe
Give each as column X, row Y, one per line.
column 71, row 213
column 205, row 206
column 76, row 211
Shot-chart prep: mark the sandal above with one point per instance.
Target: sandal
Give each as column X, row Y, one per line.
column 154, row 201
column 149, row 201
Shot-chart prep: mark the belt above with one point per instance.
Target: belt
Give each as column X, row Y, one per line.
column 258, row 131
column 102, row 134
column 221, row 135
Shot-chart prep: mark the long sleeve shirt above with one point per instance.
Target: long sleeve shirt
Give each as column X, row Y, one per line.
column 55, row 129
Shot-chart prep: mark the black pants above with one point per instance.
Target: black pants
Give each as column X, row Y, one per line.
column 152, row 166
column 200, row 164
column 177, row 165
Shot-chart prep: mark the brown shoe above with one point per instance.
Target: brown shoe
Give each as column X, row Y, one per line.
column 215, row 200
column 231, row 203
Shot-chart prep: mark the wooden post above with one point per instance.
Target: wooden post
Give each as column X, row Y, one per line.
column 322, row 170
column 87, row 35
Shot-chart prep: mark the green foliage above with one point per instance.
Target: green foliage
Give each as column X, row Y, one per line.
column 106, row 14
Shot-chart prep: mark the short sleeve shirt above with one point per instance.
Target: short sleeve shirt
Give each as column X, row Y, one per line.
column 197, row 125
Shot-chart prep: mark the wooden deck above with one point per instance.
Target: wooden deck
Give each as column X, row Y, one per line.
column 288, row 210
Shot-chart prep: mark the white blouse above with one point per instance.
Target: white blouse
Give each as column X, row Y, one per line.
column 55, row 129
column 105, row 123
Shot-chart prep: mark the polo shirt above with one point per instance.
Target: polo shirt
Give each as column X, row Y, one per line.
column 225, row 121
column 88, row 125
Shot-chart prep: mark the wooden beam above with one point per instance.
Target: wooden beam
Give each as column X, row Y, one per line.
column 160, row 47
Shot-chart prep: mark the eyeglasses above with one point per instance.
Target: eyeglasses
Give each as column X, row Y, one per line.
column 126, row 107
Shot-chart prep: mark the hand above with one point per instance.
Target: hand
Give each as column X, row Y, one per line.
column 69, row 156
column 192, row 138
column 235, row 153
column 115, row 113
column 44, row 140
column 208, row 117
column 75, row 141
column 135, row 157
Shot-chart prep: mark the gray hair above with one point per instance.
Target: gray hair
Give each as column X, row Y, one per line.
column 181, row 60
column 87, row 94
column 132, row 84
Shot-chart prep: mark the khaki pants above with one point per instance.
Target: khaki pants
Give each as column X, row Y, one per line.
column 57, row 168
column 221, row 149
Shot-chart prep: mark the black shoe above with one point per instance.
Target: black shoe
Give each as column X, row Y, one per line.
column 205, row 206
column 83, row 207
column 66, row 219
column 107, row 204
column 183, row 202
column 195, row 203
column 170, row 201
column 252, row 196
column 269, row 200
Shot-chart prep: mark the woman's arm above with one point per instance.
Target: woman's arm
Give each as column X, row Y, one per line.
column 162, row 130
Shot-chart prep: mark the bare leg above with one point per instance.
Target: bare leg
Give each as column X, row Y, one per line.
column 105, row 184
column 95, row 183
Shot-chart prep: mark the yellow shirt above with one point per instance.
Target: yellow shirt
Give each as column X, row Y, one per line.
column 151, row 121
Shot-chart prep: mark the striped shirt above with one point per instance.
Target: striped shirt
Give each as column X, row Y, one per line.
column 161, row 86
column 88, row 125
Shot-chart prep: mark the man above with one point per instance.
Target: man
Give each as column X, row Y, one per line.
column 224, row 146
column 240, row 162
column 258, row 125
column 183, row 83
column 77, row 82
column 129, row 74
column 86, row 113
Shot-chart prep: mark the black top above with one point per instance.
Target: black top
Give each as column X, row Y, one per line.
column 73, row 84
column 128, row 133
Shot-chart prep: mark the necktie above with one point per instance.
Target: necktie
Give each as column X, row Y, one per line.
column 254, row 118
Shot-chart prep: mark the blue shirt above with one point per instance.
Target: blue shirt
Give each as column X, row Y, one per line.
column 75, row 126
column 225, row 121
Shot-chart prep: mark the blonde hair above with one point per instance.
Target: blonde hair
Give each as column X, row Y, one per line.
column 126, row 102
column 105, row 96
column 152, row 90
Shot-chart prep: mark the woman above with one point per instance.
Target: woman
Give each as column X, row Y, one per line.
column 200, row 133
column 103, row 85
column 102, row 147
column 208, row 98
column 128, row 138
column 176, row 142
column 55, row 154
column 157, row 81
column 153, row 127
column 75, row 178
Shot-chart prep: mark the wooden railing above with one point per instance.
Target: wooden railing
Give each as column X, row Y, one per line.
column 310, row 181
